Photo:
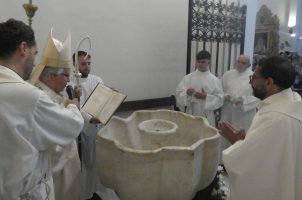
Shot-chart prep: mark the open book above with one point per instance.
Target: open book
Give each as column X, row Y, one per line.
column 103, row 102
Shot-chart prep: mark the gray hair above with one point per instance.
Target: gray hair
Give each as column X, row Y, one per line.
column 48, row 71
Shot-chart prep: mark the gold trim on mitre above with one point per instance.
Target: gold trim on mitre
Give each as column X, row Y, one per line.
column 56, row 54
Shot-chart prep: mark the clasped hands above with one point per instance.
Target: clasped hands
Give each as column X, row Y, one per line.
column 231, row 133
column 238, row 101
column 198, row 95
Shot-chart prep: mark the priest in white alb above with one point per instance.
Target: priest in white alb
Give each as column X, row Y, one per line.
column 200, row 92
column 240, row 104
column 265, row 163
column 31, row 123
column 90, row 181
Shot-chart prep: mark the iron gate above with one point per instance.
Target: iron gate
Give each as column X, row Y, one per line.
column 218, row 28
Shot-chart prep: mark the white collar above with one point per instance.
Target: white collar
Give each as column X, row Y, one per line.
column 9, row 76
column 284, row 95
column 202, row 73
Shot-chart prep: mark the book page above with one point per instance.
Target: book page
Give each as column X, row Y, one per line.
column 103, row 102
column 112, row 104
column 97, row 100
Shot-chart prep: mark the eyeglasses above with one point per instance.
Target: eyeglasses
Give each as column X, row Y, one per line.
column 85, row 63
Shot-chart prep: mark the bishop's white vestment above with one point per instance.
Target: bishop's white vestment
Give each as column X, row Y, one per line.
column 267, row 164
column 200, row 107
column 65, row 161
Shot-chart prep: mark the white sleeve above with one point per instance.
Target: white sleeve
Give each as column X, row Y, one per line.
column 53, row 124
column 254, row 164
column 181, row 92
column 249, row 103
column 215, row 99
column 89, row 127
column 224, row 82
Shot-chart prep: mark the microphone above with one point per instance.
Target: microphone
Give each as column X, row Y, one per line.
column 69, row 90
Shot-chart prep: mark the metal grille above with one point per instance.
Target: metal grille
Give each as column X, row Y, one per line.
column 218, row 28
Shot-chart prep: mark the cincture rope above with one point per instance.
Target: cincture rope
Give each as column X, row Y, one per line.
column 27, row 195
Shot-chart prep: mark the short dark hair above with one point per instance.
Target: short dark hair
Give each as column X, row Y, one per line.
column 279, row 69
column 203, row 55
column 12, row 33
column 80, row 53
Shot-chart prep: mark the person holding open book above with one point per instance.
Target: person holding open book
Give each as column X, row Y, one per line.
column 92, row 125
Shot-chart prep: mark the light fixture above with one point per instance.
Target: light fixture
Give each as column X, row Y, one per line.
column 30, row 10
column 291, row 21
column 291, row 25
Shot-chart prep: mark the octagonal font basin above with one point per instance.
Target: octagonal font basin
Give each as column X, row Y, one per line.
column 157, row 155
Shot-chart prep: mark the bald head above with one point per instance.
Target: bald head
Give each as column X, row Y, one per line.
column 243, row 62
